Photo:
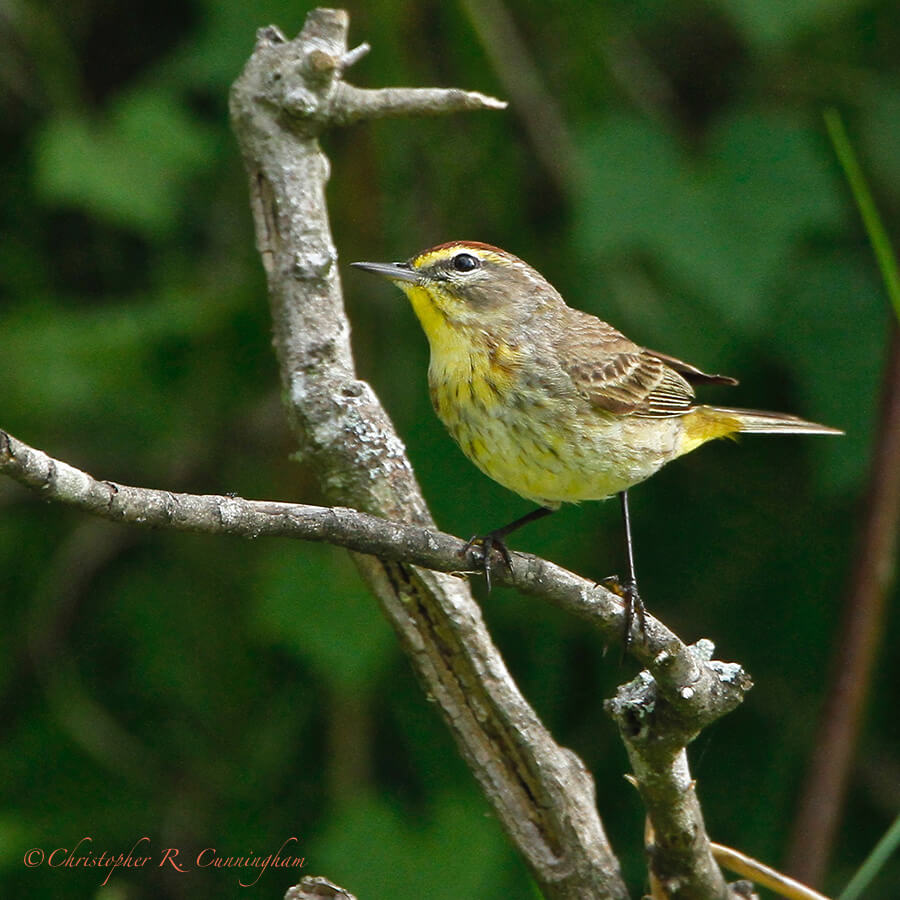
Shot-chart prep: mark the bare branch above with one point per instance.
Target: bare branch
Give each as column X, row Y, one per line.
column 302, row 83
column 701, row 690
column 314, row 887
column 352, row 104
column 656, row 733
column 288, row 93
column 658, row 714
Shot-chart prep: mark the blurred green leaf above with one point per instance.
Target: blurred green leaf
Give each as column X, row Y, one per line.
column 311, row 601
column 829, row 325
column 119, row 360
column 725, row 223
column 770, row 24
column 129, row 170
column 352, row 849
column 14, row 836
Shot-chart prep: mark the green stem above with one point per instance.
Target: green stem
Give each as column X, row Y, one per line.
column 874, row 862
column 878, row 236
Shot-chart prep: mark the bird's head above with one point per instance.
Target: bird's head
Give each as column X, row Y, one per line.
column 468, row 284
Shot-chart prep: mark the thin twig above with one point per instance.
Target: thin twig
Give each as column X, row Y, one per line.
column 764, row 875
column 317, row 888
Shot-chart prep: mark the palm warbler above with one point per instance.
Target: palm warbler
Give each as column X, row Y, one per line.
column 549, row 401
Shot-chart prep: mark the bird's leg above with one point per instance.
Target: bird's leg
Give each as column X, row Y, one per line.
column 495, row 539
column 629, row 590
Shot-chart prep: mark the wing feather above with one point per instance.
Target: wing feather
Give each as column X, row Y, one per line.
column 692, row 373
column 617, row 375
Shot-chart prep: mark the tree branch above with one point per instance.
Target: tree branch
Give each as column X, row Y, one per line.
column 701, row 690
column 314, row 887
column 766, row 876
column 287, row 95
column 289, row 92
column 656, row 734
column 658, row 714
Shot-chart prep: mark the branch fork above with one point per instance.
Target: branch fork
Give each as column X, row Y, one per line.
column 658, row 714
column 303, row 80
column 542, row 794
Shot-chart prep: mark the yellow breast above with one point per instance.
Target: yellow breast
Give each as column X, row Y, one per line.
column 549, row 447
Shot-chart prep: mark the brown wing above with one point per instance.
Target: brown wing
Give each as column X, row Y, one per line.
column 691, row 373
column 615, row 374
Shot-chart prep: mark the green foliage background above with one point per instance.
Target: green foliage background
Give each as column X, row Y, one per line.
column 217, row 693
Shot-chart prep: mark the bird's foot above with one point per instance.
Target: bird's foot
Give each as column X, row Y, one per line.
column 634, row 606
column 493, row 540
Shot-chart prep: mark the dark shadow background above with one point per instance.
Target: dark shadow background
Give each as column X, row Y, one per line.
column 218, row 693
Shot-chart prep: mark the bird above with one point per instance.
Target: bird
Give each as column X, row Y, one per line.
column 551, row 402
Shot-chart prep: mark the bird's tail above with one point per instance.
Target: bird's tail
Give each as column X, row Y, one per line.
column 754, row 421
column 705, row 423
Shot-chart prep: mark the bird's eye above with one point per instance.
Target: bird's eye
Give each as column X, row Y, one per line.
column 465, row 262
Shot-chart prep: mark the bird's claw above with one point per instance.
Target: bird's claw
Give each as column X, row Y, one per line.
column 634, row 606
column 488, row 542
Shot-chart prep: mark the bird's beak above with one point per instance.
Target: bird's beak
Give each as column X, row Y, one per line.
column 394, row 271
